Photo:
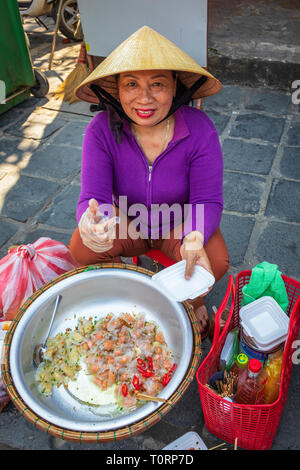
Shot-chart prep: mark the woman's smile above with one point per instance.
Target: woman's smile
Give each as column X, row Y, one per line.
column 145, row 113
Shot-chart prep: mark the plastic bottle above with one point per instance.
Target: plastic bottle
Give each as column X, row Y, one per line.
column 251, row 384
column 239, row 364
column 273, row 369
column 230, row 350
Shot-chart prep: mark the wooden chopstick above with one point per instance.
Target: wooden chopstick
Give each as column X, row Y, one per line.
column 219, row 445
column 235, row 443
column 225, row 443
column 144, row 396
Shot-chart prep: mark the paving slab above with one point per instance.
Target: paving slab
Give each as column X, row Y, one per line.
column 19, row 113
column 72, row 134
column 290, row 163
column 272, row 102
column 220, row 120
column 55, row 161
column 16, row 150
column 8, row 229
column 237, row 240
column 284, row 200
column 62, row 212
column 258, row 126
column 279, row 244
column 230, row 98
column 242, row 192
column 293, row 137
column 239, row 155
column 35, row 128
column 27, row 196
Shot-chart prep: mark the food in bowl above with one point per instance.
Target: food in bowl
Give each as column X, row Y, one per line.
column 108, row 360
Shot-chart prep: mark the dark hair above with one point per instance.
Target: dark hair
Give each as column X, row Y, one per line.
column 180, row 89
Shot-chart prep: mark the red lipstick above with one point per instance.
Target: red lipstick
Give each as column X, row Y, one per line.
column 144, row 113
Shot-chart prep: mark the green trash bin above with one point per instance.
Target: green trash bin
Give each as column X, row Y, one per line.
column 18, row 78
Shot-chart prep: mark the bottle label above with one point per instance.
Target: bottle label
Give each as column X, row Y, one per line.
column 251, row 353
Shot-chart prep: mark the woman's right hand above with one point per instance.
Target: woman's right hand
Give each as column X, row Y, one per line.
column 96, row 233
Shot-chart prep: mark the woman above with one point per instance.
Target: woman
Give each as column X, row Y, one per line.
column 158, row 154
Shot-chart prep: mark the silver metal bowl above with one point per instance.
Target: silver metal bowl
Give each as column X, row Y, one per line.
column 95, row 293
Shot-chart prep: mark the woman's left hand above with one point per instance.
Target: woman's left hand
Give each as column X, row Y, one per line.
column 194, row 253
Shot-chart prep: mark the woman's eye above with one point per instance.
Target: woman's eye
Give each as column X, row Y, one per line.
column 157, row 84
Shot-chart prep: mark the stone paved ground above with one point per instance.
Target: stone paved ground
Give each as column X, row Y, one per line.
column 40, row 151
column 254, row 43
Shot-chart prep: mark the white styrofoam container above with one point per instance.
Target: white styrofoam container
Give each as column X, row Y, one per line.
column 173, row 282
column 265, row 322
column 189, row 441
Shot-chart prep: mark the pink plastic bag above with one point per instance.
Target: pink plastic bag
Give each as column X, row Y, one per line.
column 26, row 268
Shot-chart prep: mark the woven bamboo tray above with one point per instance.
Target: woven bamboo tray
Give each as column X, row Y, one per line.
column 94, row 437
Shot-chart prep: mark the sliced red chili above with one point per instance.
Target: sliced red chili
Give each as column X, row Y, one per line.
column 141, row 369
column 136, row 382
column 141, row 363
column 166, row 379
column 147, row 373
column 150, row 363
column 124, row 390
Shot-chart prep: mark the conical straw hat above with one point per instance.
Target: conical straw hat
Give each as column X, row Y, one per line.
column 146, row 50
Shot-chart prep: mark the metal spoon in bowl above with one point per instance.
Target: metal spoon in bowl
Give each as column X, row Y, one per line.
column 39, row 350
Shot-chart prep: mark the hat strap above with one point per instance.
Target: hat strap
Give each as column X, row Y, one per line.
column 114, row 110
column 106, row 101
column 185, row 97
column 101, row 93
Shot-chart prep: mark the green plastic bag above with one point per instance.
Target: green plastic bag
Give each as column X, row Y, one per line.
column 265, row 280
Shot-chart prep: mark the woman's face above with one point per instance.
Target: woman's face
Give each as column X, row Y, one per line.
column 146, row 96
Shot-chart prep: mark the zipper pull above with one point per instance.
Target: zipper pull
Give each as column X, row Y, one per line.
column 150, row 169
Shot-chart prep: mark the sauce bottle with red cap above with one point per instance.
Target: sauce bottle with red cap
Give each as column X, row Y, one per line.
column 251, row 384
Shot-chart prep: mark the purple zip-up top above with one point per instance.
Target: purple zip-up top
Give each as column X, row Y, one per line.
column 189, row 171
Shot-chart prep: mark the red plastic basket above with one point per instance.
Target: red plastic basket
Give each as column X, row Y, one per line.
column 254, row 426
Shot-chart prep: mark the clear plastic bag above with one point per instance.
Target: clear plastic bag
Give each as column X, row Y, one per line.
column 26, row 268
column 273, row 369
column 230, row 350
